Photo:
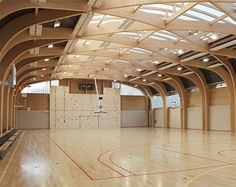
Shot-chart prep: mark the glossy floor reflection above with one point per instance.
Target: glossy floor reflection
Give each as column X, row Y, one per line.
column 134, row 157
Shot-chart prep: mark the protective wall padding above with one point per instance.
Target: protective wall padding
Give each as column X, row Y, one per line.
column 78, row 110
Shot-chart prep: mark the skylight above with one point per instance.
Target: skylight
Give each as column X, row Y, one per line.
column 230, row 20
column 153, row 12
column 187, row 18
column 200, row 15
column 208, row 10
column 140, row 50
column 165, row 36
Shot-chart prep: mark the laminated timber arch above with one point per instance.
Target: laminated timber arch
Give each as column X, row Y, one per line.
column 24, row 22
column 159, row 87
column 121, row 37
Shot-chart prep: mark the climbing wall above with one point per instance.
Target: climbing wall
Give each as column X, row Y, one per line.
column 78, row 110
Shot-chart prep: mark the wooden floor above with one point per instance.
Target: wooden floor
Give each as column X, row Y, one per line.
column 134, row 157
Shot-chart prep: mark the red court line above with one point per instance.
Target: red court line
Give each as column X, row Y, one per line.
column 76, row 163
column 197, row 156
column 164, row 172
column 110, row 158
column 103, row 163
column 123, row 176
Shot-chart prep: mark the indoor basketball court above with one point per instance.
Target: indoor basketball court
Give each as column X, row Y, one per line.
column 134, row 93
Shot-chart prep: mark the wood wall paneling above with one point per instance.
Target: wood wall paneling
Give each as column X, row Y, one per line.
column 133, row 103
column 36, row 101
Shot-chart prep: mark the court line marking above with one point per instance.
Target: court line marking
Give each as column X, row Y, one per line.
column 197, row 156
column 9, row 162
column 76, row 163
column 105, row 164
column 123, row 176
column 205, row 173
column 187, row 154
column 161, row 172
column 172, row 171
column 110, row 158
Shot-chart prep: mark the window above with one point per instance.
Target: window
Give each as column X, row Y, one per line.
column 39, row 88
column 55, row 83
column 127, row 90
column 157, row 102
column 173, row 98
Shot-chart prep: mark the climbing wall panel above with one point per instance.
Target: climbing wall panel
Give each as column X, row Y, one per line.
column 78, row 110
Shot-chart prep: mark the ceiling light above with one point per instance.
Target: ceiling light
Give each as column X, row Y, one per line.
column 34, row 78
column 180, row 51
column 69, row 66
column 61, row 78
column 195, row 34
column 57, row 24
column 46, row 59
column 44, row 69
column 144, row 80
column 205, row 59
column 114, row 80
column 64, row 72
column 50, row 46
column 76, row 56
column 126, row 75
column 138, row 69
column 214, row 36
column 179, row 68
column 42, row 75
column 159, row 75
column 155, row 62
column 135, row 85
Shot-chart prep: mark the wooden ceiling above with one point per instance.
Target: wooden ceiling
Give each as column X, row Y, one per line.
column 140, row 42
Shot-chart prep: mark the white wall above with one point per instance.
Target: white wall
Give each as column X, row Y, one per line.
column 34, row 119
column 134, row 118
column 159, row 117
column 219, row 117
column 174, row 118
column 194, row 118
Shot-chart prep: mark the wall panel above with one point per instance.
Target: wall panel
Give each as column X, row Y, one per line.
column 174, row 118
column 34, row 119
column 133, row 103
column 134, row 118
column 159, row 117
column 194, row 117
column 219, row 117
column 78, row 110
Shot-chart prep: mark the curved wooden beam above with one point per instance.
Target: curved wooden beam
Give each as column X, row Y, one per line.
column 22, row 23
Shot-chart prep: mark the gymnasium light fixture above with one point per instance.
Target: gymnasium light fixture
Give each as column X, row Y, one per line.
column 155, row 62
column 179, row 68
column 57, row 24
